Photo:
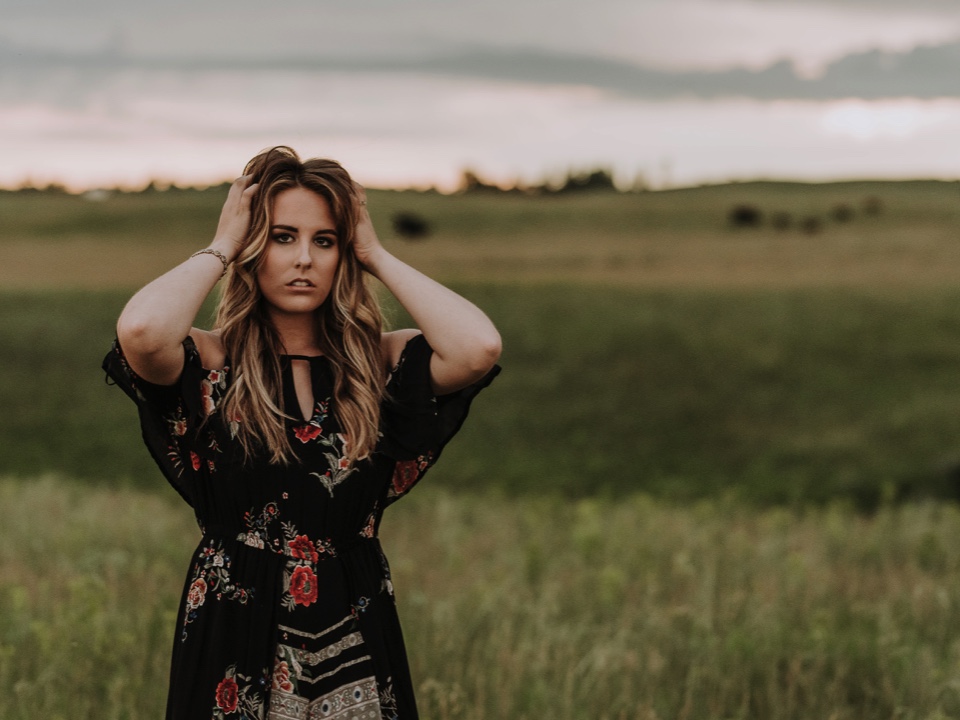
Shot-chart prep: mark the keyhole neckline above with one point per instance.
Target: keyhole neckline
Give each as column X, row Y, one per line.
column 303, row 357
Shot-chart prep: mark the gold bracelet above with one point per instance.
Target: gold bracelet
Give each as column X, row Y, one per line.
column 218, row 254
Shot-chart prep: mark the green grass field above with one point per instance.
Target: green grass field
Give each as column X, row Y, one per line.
column 716, row 479
column 649, row 346
column 790, row 397
column 586, row 610
column 665, row 240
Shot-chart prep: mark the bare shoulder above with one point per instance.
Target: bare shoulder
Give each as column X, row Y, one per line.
column 210, row 346
column 392, row 344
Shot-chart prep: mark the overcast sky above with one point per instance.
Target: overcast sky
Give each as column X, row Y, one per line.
column 658, row 33
column 520, row 87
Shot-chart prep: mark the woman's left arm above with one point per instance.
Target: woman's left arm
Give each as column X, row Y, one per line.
column 466, row 345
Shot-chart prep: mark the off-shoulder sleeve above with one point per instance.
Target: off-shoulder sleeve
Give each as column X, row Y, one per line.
column 416, row 424
column 171, row 417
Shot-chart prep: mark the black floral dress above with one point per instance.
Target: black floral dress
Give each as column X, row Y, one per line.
column 288, row 608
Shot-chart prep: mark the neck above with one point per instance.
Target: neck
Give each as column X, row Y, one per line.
column 298, row 333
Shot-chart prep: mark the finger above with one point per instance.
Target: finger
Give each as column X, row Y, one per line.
column 246, row 200
column 237, row 187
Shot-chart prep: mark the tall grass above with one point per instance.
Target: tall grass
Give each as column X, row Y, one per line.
column 87, row 600
column 523, row 609
column 638, row 609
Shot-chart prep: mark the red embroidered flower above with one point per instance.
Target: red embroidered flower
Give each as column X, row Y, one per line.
column 227, row 695
column 180, row 427
column 194, row 460
column 281, row 677
column 302, row 547
column 195, row 596
column 303, row 586
column 306, row 433
column 405, row 474
column 343, row 463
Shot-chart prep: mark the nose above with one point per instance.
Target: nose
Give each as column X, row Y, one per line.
column 303, row 253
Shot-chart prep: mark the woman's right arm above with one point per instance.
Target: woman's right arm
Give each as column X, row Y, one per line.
column 159, row 317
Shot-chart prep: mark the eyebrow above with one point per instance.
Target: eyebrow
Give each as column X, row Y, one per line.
column 293, row 229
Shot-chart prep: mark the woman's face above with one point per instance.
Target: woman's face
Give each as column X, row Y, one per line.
column 302, row 252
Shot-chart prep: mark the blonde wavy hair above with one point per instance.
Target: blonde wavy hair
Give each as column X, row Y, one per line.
column 349, row 322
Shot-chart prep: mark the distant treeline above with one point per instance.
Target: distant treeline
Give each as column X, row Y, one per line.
column 104, row 192
column 597, row 179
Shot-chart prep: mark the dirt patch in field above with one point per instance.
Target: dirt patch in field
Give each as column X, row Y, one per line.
column 84, row 264
column 896, row 257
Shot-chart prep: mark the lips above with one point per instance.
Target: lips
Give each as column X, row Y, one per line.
column 301, row 283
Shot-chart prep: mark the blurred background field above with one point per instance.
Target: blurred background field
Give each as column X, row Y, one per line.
column 651, row 344
column 896, row 234
column 717, row 478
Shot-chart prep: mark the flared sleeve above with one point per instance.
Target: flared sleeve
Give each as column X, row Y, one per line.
column 416, row 424
column 172, row 417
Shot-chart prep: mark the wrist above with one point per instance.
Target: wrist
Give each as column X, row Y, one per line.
column 228, row 248
column 375, row 260
column 219, row 256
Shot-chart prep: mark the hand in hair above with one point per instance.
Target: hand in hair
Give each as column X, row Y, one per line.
column 235, row 218
column 466, row 345
column 366, row 244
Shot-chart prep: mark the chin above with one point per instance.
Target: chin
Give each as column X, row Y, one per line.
column 295, row 306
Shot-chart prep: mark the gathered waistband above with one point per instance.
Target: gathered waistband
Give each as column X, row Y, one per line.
column 299, row 546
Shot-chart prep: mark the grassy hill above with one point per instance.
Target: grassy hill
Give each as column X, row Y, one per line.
column 592, row 538
column 568, row 610
column 649, row 344
column 672, row 239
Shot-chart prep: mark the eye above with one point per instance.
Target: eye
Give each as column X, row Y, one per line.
column 325, row 241
column 283, row 237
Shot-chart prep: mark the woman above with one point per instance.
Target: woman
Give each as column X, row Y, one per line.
column 289, row 428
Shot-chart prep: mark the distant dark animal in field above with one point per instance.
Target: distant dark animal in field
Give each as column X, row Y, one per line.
column 811, row 225
column 410, row 225
column 872, row 205
column 842, row 213
column 745, row 216
column 781, row 221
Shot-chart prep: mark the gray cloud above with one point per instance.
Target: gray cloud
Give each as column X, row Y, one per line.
column 947, row 5
column 924, row 72
column 668, row 34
